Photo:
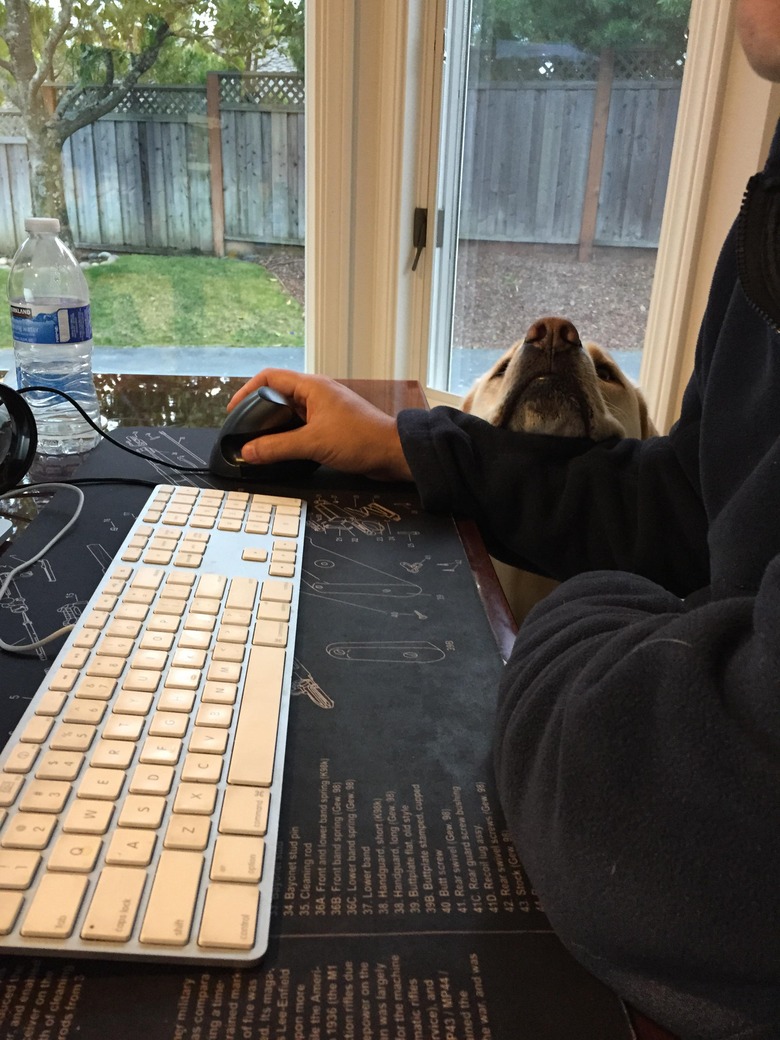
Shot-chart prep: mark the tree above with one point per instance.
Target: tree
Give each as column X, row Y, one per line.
column 291, row 17
column 64, row 67
column 591, row 25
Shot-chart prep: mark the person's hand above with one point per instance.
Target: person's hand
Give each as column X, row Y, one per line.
column 341, row 429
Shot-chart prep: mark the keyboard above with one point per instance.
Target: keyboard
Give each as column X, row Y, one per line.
column 140, row 792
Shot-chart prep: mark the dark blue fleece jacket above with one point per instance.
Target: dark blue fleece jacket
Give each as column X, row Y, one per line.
column 637, row 743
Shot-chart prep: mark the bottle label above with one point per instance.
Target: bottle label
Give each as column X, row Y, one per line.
column 31, row 324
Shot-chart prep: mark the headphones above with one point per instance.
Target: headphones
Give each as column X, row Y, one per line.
column 18, row 438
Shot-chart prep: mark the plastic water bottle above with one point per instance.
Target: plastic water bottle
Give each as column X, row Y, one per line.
column 52, row 334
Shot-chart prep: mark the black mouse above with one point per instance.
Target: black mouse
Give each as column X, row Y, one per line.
column 261, row 412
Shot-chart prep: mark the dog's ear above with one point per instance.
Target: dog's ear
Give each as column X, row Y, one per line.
column 465, row 405
column 646, row 424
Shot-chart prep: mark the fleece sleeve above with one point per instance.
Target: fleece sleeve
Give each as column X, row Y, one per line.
column 637, row 756
column 559, row 506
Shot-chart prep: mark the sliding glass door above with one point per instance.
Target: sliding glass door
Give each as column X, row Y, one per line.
column 556, row 137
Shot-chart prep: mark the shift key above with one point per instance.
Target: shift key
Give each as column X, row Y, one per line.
column 168, row 917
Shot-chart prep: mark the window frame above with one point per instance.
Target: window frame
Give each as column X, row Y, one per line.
column 374, row 81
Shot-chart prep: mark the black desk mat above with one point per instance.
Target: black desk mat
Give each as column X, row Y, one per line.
column 401, row 908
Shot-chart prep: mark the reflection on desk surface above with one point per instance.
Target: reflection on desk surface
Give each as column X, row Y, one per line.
column 184, row 401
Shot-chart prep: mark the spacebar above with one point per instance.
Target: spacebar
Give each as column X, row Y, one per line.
column 252, row 761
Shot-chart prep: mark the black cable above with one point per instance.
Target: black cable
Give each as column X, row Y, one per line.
column 82, row 481
column 108, row 437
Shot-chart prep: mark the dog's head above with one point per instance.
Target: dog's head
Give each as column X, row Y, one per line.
column 551, row 383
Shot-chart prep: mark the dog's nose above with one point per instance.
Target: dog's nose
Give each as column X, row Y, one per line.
column 554, row 335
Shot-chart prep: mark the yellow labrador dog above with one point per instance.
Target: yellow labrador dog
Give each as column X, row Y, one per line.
column 550, row 382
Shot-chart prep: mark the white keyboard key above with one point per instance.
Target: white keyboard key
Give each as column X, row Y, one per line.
column 21, row 758
column 10, row 905
column 209, row 740
column 242, row 593
column 148, row 779
column 187, row 832
column 245, row 811
column 202, row 769
column 18, row 867
column 54, row 906
column 9, row 788
column 238, row 858
column 195, row 799
column 50, row 703
column 59, row 765
column 103, row 784
column 144, row 811
column 90, row 711
column 131, row 848
column 37, row 730
column 171, row 904
column 113, row 754
column 112, row 911
column 219, row 715
column 28, row 831
column 88, row 816
column 254, row 748
column 45, row 796
column 277, row 591
column 75, row 853
column 230, row 917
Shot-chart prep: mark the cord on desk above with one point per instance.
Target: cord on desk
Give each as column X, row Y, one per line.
column 107, row 436
column 9, row 577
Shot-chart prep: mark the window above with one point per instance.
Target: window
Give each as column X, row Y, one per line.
column 725, row 120
column 555, row 155
column 173, row 153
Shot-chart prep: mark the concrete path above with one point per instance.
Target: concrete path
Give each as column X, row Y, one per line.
column 245, row 361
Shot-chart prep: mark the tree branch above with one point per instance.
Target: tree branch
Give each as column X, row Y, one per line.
column 108, row 95
column 45, row 68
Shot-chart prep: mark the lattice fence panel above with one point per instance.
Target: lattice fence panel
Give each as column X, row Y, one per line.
column 636, row 64
column 648, row 65
column 263, row 90
column 10, row 123
column 150, row 102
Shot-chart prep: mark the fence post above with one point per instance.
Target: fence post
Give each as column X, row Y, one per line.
column 49, row 97
column 598, row 140
column 214, row 123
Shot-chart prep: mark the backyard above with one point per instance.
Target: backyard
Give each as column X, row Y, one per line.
column 145, row 300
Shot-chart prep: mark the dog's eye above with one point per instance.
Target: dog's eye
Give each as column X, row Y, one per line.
column 606, row 374
column 501, row 369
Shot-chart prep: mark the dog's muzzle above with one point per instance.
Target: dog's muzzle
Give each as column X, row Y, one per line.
column 543, row 371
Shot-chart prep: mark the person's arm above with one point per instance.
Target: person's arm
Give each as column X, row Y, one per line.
column 554, row 505
column 636, row 752
column 560, row 506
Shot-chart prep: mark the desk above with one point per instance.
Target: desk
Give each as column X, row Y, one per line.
column 139, row 400
column 402, row 908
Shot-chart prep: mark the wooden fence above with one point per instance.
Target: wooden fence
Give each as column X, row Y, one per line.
column 525, row 178
column 180, row 169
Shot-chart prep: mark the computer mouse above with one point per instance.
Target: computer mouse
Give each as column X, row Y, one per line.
column 264, row 411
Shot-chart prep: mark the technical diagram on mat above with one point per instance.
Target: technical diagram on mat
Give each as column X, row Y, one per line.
column 409, row 651
column 336, row 576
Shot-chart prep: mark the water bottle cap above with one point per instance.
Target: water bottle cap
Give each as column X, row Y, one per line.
column 41, row 224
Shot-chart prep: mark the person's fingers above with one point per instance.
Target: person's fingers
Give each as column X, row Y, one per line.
column 264, row 378
column 277, row 447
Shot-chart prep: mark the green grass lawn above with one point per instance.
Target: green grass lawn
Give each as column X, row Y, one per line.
column 196, row 301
